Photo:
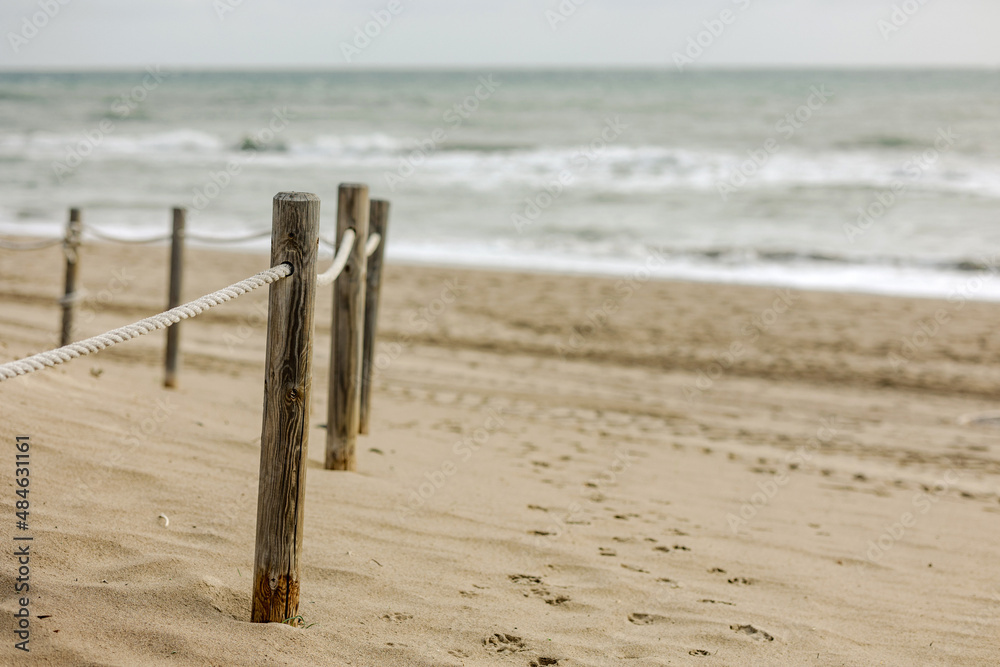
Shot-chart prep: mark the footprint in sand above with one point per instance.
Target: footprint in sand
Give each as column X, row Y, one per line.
column 699, row 652
column 634, row 568
column 397, row 618
column 646, row 619
column 538, row 589
column 752, row 632
column 741, row 581
column 544, row 661
column 504, row 643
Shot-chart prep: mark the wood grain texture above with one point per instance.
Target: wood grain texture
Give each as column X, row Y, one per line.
column 74, row 231
column 347, row 338
column 287, row 385
column 378, row 223
column 174, row 297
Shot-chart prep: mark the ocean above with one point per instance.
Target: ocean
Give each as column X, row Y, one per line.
column 876, row 181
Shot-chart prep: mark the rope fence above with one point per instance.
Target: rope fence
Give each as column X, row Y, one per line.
column 373, row 242
column 29, row 245
column 61, row 355
column 104, row 236
column 340, row 261
column 287, row 383
column 221, row 240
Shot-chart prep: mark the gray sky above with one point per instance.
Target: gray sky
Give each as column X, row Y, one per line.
column 460, row 33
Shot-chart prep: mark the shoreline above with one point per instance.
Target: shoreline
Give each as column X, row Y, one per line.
column 965, row 283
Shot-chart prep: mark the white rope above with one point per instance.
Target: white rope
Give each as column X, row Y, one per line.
column 29, row 245
column 156, row 322
column 373, row 242
column 104, row 236
column 340, row 261
column 223, row 239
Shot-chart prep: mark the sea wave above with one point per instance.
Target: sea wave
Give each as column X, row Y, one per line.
column 616, row 168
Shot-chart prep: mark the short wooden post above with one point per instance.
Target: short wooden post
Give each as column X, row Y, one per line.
column 71, row 247
column 347, row 334
column 378, row 224
column 287, row 385
column 174, row 298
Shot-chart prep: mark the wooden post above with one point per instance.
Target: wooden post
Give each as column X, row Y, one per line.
column 71, row 247
column 285, row 431
column 347, row 334
column 378, row 224
column 174, row 298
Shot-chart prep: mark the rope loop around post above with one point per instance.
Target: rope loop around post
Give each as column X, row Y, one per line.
column 340, row 261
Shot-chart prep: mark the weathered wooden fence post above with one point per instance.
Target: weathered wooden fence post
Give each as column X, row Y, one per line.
column 71, row 247
column 347, row 334
column 377, row 224
column 287, row 385
column 174, row 298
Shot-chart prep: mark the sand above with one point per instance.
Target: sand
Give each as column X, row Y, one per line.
column 561, row 470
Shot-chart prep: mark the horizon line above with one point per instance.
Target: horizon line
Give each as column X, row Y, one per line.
column 659, row 68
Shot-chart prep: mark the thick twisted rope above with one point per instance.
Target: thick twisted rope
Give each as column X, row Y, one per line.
column 373, row 242
column 223, row 239
column 340, row 261
column 104, row 236
column 61, row 355
column 29, row 245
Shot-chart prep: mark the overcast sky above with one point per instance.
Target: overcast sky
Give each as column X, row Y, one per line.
column 470, row 33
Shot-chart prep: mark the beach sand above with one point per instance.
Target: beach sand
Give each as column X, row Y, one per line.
column 561, row 470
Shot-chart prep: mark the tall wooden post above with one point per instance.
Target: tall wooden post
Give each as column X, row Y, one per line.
column 348, row 332
column 174, row 298
column 287, row 385
column 71, row 247
column 377, row 224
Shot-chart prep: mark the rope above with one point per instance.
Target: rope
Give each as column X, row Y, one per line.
column 29, row 245
column 373, row 242
column 223, row 239
column 156, row 322
column 340, row 261
column 104, row 236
